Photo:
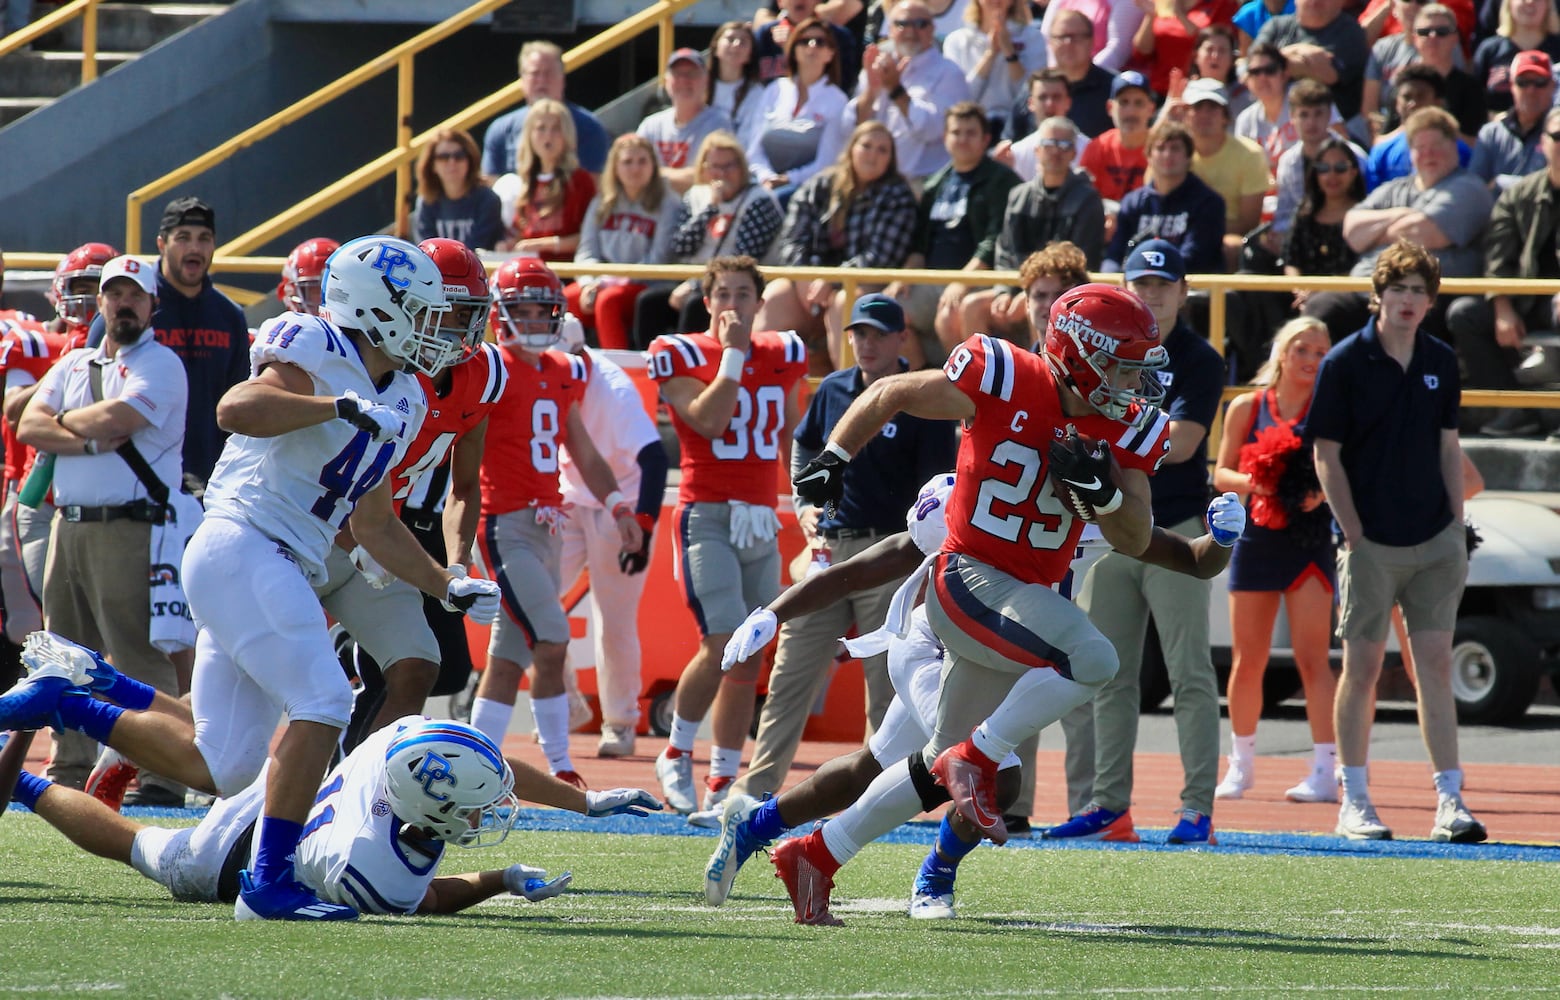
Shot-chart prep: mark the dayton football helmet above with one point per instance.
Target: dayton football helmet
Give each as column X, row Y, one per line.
column 302, row 274
column 466, row 288
column 527, row 281
column 1106, row 345
column 390, row 290
column 86, row 261
column 452, row 780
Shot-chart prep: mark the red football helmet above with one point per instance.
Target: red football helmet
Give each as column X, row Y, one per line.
column 301, row 275
column 529, row 282
column 466, row 288
column 86, row 261
column 1106, row 345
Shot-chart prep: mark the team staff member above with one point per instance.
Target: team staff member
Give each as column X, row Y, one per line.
column 131, row 389
column 882, row 481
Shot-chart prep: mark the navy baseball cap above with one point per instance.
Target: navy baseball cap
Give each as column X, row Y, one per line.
column 878, row 311
column 1128, row 79
column 1155, row 259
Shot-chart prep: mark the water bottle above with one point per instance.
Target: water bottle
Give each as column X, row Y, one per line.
column 38, row 481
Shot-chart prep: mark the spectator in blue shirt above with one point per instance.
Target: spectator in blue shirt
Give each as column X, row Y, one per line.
column 453, row 201
column 541, row 70
column 1175, row 206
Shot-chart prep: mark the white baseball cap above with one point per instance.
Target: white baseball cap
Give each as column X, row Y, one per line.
column 139, row 271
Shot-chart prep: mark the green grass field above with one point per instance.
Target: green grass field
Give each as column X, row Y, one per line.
column 1032, row 923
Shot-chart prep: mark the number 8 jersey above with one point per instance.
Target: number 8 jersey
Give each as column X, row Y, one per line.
column 1003, row 510
column 740, row 464
column 299, row 488
column 527, row 428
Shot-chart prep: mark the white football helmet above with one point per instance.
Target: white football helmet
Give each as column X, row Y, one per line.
column 394, row 293
column 451, row 779
column 927, row 518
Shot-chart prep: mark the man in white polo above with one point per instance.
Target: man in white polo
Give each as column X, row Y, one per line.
column 128, row 389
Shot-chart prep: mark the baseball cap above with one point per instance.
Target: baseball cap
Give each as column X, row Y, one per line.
column 1128, row 79
column 1534, row 62
column 1155, row 259
column 1205, row 89
column 138, row 271
column 685, row 55
column 879, row 312
column 187, row 211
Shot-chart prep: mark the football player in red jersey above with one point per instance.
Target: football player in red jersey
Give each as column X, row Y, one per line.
column 299, row 289
column 1024, row 478
column 733, row 398
column 522, row 506
column 435, row 490
column 28, row 350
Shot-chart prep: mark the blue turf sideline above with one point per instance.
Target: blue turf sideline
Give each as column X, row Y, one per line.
column 925, row 833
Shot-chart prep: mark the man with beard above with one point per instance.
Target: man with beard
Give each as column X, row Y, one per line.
column 130, row 389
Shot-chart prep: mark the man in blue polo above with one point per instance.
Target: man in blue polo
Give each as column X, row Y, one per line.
column 1384, row 426
column 880, row 484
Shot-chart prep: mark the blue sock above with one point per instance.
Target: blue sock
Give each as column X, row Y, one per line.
column 28, row 788
column 127, row 691
column 278, row 843
column 765, row 822
column 941, row 866
column 951, row 846
column 90, row 716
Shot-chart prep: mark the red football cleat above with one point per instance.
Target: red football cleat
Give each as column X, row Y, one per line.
column 971, row 778
column 807, row 868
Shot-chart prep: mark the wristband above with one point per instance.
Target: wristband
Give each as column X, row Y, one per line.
column 612, row 501
column 731, row 362
column 90, row 447
column 897, row 92
column 59, row 418
column 837, row 451
column 622, row 509
column 1012, row 58
column 646, row 522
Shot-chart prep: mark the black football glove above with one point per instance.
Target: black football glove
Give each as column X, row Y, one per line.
column 822, row 481
column 1085, row 473
column 635, row 562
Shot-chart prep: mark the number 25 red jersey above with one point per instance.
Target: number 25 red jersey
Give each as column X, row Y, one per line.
column 1003, row 511
column 527, row 428
column 740, row 464
column 476, row 385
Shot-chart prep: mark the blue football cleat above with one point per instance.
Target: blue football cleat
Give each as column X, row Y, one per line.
column 1096, row 822
column 1193, row 828
column 284, row 900
column 33, row 703
column 737, row 844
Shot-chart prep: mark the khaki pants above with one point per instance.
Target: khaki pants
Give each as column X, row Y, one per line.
column 95, row 592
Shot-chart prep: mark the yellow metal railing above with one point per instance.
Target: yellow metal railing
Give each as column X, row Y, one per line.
column 84, row 9
column 398, row 160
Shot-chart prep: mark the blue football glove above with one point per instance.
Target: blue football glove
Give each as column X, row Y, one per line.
column 533, row 883
column 1226, row 519
column 620, row 802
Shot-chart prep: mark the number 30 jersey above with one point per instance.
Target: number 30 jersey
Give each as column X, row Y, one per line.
column 1004, row 511
column 299, row 488
column 740, row 464
column 527, row 428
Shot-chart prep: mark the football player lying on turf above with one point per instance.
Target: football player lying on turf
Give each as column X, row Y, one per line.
column 376, row 832
column 915, row 666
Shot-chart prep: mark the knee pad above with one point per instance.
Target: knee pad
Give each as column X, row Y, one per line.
column 932, row 794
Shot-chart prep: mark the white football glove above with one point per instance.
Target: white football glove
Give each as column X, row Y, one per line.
column 477, row 598
column 377, row 576
column 381, row 421
column 752, row 523
column 1226, row 519
column 620, row 802
column 750, row 637
column 533, row 883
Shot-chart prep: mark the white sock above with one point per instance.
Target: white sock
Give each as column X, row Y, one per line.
column 890, row 800
column 725, row 762
column 683, row 732
column 552, row 730
column 492, row 718
column 1243, row 748
column 1354, row 783
column 1448, row 784
column 1324, row 758
column 1037, row 699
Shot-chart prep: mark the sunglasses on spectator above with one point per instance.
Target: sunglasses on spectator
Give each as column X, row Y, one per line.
column 1057, row 143
column 1553, row 136
column 1438, row 31
column 1076, row 36
column 1336, row 167
column 815, row 42
column 458, row 154
column 1269, row 69
column 916, row 23
column 1528, row 83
